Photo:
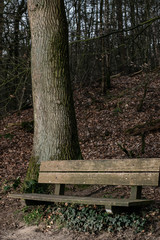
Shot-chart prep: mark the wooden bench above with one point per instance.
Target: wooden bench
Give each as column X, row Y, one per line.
column 131, row 172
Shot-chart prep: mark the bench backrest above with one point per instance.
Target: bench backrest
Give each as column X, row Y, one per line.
column 136, row 172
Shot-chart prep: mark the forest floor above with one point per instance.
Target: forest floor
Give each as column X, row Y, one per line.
column 103, row 122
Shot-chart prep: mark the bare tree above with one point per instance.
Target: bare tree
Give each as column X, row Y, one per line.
column 1, row 28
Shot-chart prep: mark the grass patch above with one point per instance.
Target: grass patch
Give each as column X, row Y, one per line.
column 32, row 216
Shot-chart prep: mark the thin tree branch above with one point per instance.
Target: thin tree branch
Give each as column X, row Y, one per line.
column 150, row 21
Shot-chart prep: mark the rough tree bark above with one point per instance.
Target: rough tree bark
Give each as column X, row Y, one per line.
column 1, row 28
column 121, row 62
column 55, row 128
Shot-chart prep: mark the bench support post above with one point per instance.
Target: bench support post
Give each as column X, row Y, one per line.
column 136, row 192
column 108, row 209
column 59, row 189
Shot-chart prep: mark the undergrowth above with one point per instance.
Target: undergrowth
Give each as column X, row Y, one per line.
column 32, row 216
column 86, row 218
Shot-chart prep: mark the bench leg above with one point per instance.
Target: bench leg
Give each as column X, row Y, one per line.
column 59, row 189
column 108, row 209
column 136, row 192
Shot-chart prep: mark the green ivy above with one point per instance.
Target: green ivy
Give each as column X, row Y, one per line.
column 93, row 219
column 8, row 186
column 7, row 136
column 80, row 218
column 32, row 186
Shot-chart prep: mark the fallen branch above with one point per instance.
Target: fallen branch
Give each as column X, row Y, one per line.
column 116, row 76
column 144, row 128
column 136, row 73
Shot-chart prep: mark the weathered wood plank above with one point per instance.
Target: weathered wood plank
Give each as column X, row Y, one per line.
column 59, row 189
column 136, row 192
column 83, row 200
column 150, row 164
column 137, row 179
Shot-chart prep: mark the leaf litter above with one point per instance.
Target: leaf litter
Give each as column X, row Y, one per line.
column 102, row 124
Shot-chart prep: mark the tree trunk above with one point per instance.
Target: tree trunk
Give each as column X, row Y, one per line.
column 102, row 49
column 55, row 129
column 132, row 20
column 121, row 46
column 78, row 36
column 1, row 28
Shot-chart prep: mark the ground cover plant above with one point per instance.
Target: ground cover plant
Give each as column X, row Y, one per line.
column 84, row 218
column 101, row 133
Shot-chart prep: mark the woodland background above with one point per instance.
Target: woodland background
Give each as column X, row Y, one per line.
column 106, row 37
column 114, row 51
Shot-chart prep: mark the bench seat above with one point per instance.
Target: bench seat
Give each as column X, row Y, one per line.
column 107, row 202
column 135, row 173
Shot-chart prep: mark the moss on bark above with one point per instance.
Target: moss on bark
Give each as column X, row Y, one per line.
column 31, row 180
column 33, row 169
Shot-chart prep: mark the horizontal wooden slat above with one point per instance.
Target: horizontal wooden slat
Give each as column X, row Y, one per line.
column 82, row 200
column 150, row 164
column 144, row 179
